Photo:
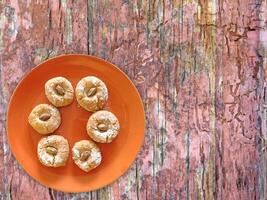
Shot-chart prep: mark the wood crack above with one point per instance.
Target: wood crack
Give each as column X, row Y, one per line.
column 51, row 194
column 10, row 188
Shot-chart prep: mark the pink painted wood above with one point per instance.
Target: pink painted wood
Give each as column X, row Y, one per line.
column 200, row 66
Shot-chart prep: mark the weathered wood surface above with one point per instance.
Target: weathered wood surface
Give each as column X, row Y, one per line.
column 200, row 66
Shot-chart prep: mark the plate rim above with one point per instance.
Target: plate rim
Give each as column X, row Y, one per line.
column 75, row 190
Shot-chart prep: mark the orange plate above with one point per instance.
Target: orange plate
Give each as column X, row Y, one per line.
column 124, row 101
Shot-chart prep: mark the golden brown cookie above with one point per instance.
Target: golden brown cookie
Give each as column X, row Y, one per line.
column 53, row 151
column 91, row 93
column 103, row 126
column 86, row 155
column 59, row 91
column 44, row 118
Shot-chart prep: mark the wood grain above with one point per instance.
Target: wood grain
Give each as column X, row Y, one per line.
column 200, row 67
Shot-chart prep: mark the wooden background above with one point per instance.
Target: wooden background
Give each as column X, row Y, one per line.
column 200, row 67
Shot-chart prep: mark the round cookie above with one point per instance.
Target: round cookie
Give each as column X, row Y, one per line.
column 103, row 126
column 53, row 151
column 86, row 155
column 44, row 118
column 91, row 93
column 59, row 91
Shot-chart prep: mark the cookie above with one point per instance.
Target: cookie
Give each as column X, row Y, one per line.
column 53, row 151
column 91, row 93
column 44, row 118
column 59, row 91
column 86, row 155
column 103, row 126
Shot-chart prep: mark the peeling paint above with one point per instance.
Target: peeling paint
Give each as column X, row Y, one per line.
column 69, row 33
